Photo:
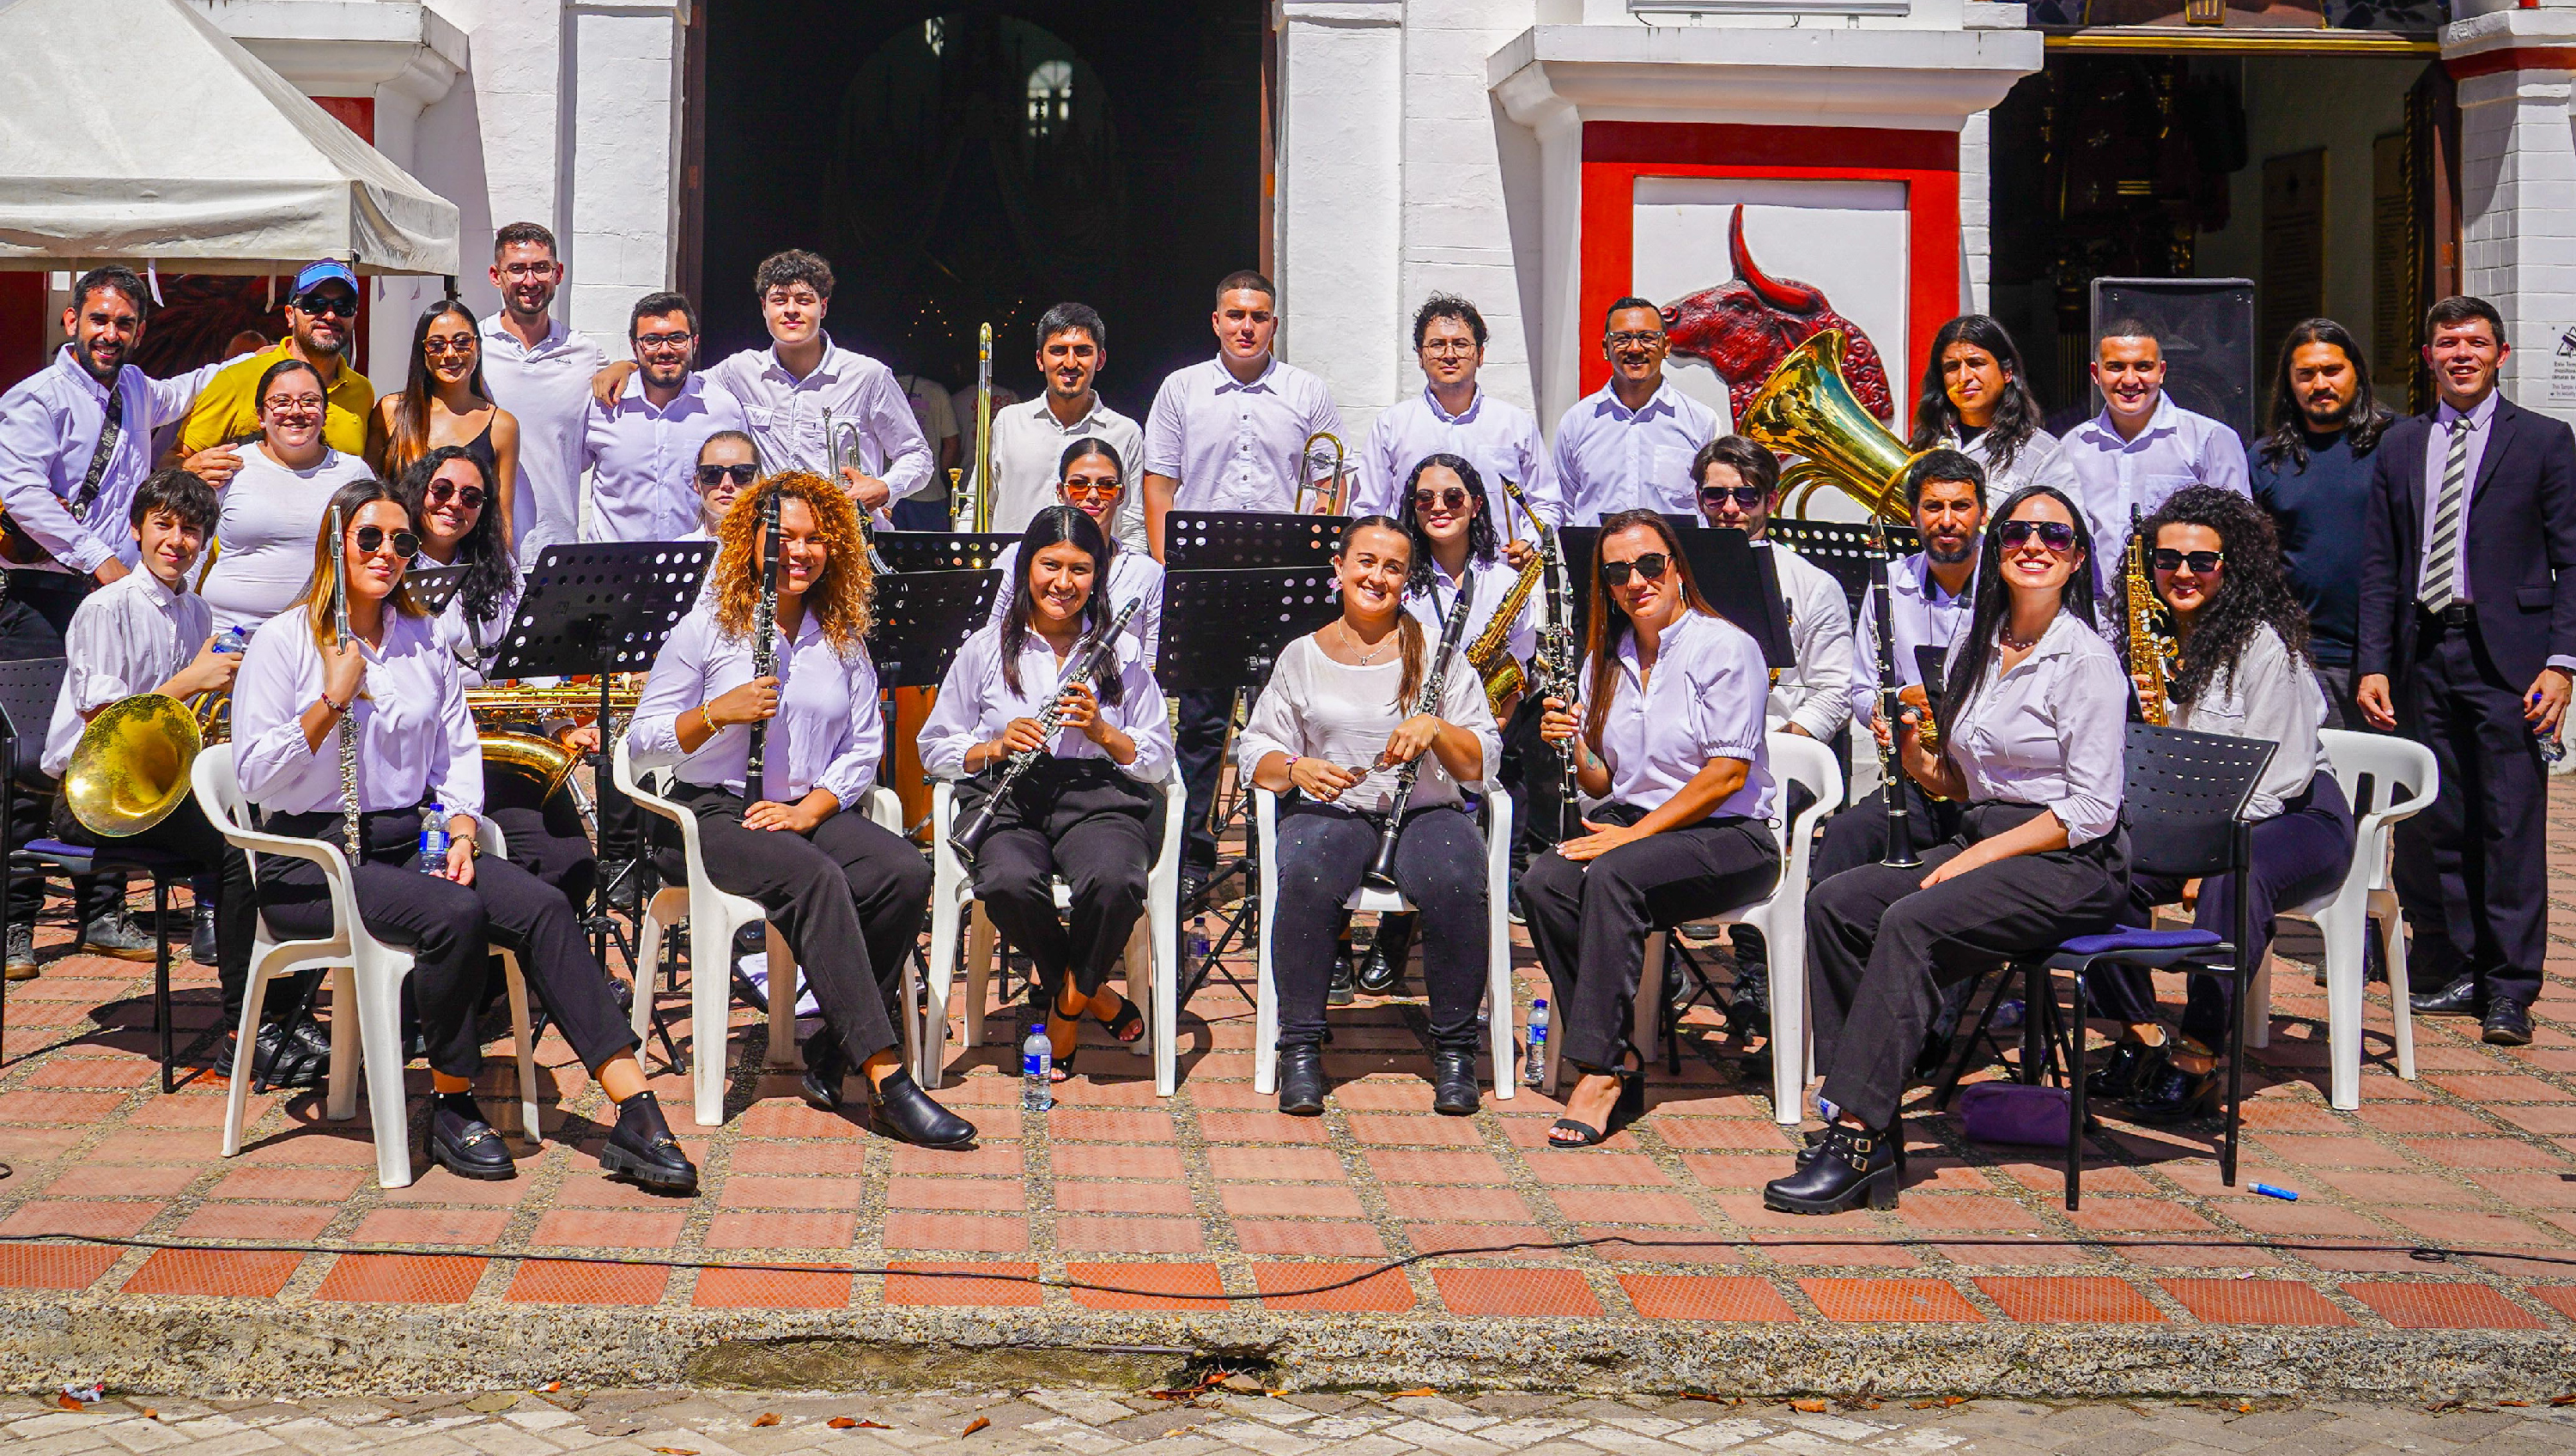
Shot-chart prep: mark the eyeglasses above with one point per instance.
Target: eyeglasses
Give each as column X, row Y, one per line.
column 442, row 491
column 1651, row 566
column 1090, row 489
column 371, row 539
column 2057, row 536
column 2202, row 563
column 279, row 404
column 1635, row 338
column 1453, row 499
column 711, row 476
column 1451, row 348
column 436, row 347
column 662, row 341
column 529, row 270
column 338, row 305
column 1746, row 497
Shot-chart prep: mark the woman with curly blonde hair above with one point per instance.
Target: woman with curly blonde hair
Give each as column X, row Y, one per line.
column 847, row 895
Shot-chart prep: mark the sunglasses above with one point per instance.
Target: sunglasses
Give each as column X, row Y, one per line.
column 711, row 476
column 437, row 348
column 371, row 539
column 2202, row 563
column 1090, row 489
column 1747, row 497
column 1452, row 499
column 442, row 491
column 335, row 304
column 1651, row 566
column 2057, row 536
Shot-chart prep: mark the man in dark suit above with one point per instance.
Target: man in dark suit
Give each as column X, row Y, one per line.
column 2468, row 605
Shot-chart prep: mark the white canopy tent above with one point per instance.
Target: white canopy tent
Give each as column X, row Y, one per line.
column 141, row 133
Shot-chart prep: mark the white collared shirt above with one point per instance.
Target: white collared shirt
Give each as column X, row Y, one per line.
column 473, row 641
column 1236, row 446
column 1497, row 437
column 1492, row 583
column 1705, row 701
column 1134, row 576
column 50, row 422
column 828, row 733
column 1314, row 707
column 2114, row 476
column 1028, row 442
column 975, row 706
column 645, row 459
column 1921, row 614
column 785, row 415
column 1610, row 458
column 2052, row 732
column 1814, row 692
column 2041, row 460
column 547, row 389
column 127, row 637
column 416, row 741
column 2271, row 695
column 2437, row 454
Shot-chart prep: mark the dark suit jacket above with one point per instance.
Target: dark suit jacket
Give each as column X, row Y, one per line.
column 2521, row 544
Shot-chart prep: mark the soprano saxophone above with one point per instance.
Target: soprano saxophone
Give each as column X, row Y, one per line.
column 349, row 719
column 1081, row 665
column 2151, row 641
column 1380, row 874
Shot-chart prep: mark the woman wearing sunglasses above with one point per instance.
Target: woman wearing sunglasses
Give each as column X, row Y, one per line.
column 400, row 694
column 1670, row 734
column 264, row 540
column 1092, row 479
column 1334, row 723
column 445, row 402
column 2033, row 717
column 2245, row 673
column 728, row 463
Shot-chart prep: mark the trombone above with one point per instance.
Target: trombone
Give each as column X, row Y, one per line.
column 844, row 450
column 1323, row 475
column 983, row 516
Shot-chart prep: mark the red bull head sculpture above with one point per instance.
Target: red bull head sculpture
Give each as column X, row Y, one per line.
column 1744, row 327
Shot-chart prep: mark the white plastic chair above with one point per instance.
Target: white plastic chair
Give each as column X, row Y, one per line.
column 1501, row 1013
column 366, row 984
column 2343, row 916
column 714, row 918
column 1152, row 973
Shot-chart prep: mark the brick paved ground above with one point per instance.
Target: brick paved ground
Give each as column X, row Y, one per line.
column 1211, row 1194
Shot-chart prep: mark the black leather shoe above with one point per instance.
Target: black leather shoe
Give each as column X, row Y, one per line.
column 276, row 1058
column 826, row 1066
column 1453, row 1082
column 906, row 1112
column 201, row 935
column 2131, row 1066
column 1748, row 1010
column 1847, row 1168
column 1301, row 1080
column 2460, row 997
column 2168, row 1094
column 464, row 1144
column 1337, row 992
column 1383, row 968
column 642, row 1148
column 2508, row 1022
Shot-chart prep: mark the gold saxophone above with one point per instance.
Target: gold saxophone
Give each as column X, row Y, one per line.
column 2152, row 649
column 1491, row 653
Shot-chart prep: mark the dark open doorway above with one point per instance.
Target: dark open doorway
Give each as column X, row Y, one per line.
column 964, row 162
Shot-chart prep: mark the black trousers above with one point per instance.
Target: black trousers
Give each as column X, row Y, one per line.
column 448, row 928
column 547, row 839
column 1534, row 776
column 1879, row 945
column 187, row 832
column 2299, row 854
column 1198, row 744
column 849, row 898
column 1859, row 835
column 2341, row 710
column 2472, row 870
column 1440, row 867
column 1589, row 921
column 1083, row 819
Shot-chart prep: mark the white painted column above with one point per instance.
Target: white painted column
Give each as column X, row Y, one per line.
column 1458, row 205
column 2518, row 189
column 1976, row 235
column 621, row 233
column 1341, row 189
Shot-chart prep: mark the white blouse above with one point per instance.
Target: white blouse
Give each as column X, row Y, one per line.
column 975, row 705
column 1133, row 576
column 828, row 733
column 264, row 539
column 2273, row 695
column 2041, row 460
column 1706, row 700
column 128, row 637
column 1493, row 582
column 1814, row 692
column 2051, row 732
column 473, row 640
column 1315, row 707
column 416, row 741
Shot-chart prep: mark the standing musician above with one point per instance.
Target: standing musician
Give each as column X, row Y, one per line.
column 1454, row 415
column 1341, row 714
column 1029, row 440
column 1091, row 477
column 847, row 894
column 264, row 540
column 641, row 449
column 1974, row 400
column 2245, row 673
column 1087, row 807
column 2142, row 447
column 2033, row 743
column 1628, row 445
column 1685, row 772
column 399, row 693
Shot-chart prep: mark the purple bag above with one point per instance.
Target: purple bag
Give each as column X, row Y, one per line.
column 2014, row 1112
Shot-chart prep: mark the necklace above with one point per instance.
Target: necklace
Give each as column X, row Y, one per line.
column 1368, row 658
column 2004, row 633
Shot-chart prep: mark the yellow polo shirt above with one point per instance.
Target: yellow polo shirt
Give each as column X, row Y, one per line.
column 227, row 409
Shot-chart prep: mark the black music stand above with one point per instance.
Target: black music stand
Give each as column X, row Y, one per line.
column 1741, row 583
column 922, row 618
column 433, row 586
column 1845, row 550
column 906, row 552
column 1244, row 540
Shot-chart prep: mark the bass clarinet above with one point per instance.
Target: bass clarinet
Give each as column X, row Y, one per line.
column 764, row 646
column 1381, row 871
column 1080, row 666
column 1900, row 823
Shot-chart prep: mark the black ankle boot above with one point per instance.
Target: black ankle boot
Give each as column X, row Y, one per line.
column 1453, row 1081
column 1848, row 1168
column 826, row 1065
column 642, row 1148
column 463, row 1143
column 904, row 1111
column 1301, row 1080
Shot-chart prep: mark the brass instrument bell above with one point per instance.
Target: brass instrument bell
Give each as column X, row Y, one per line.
column 1808, row 410
column 130, row 768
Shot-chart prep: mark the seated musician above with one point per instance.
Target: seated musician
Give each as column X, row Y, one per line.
column 847, row 894
column 2244, row 673
column 402, row 697
column 1087, row 808
column 1686, row 774
column 1092, row 479
column 2032, row 743
column 1338, row 718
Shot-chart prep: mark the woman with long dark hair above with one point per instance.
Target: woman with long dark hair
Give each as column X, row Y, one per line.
column 444, row 401
column 1975, row 400
column 2245, row 673
column 1088, row 809
column 2032, row 717
column 1670, row 736
column 1092, row 479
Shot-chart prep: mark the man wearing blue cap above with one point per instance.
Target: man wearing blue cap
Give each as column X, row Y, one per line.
column 321, row 324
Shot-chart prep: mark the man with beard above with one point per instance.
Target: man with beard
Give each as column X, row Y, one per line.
column 539, row 370
column 321, row 316
column 1029, row 439
column 2312, row 472
column 643, row 449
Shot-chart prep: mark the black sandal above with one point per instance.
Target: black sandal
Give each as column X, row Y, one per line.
column 1060, row 1064
column 1127, row 1025
column 1630, row 1106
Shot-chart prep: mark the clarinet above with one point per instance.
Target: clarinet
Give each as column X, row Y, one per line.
column 1381, row 871
column 1553, row 667
column 764, row 646
column 1082, row 664
column 348, row 720
column 1900, row 824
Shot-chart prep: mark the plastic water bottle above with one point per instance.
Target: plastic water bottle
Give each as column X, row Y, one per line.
column 233, row 640
column 433, row 840
column 1536, row 1072
column 1037, row 1070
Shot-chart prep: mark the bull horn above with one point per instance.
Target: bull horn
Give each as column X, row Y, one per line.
column 1788, row 297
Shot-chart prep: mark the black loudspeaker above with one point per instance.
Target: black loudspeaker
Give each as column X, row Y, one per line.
column 2205, row 327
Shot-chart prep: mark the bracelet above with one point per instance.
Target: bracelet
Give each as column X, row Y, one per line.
column 339, row 710
column 709, row 719
column 1291, row 767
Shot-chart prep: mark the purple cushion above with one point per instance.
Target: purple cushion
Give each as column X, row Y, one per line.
column 2129, row 937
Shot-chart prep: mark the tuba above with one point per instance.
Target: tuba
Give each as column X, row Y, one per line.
column 130, row 768
column 1807, row 410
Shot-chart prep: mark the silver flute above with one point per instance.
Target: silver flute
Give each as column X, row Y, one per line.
column 1081, row 665
column 349, row 719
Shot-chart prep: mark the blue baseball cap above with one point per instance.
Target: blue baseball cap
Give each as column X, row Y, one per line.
column 325, row 270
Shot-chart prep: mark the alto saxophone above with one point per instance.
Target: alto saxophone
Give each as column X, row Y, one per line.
column 2152, row 649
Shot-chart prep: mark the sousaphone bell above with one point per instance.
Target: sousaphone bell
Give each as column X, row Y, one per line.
column 130, row 768
column 1807, row 410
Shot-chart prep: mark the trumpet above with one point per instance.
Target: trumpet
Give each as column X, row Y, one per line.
column 1329, row 493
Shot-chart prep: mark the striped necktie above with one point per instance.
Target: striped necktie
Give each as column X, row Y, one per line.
column 2442, row 555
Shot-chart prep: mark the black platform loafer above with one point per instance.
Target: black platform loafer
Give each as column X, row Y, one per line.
column 641, row 1147
column 1454, row 1092
column 465, row 1145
